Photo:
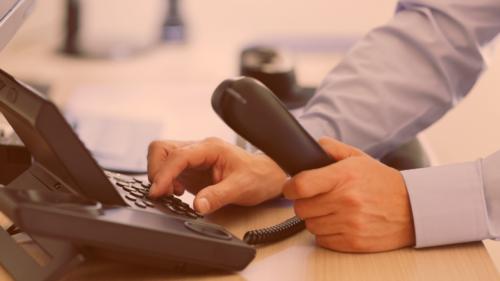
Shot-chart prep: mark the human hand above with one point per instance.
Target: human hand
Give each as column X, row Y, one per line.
column 217, row 172
column 354, row 205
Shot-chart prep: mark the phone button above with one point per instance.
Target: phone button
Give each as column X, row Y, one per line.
column 208, row 230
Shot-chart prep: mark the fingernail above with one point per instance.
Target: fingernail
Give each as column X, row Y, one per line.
column 203, row 205
column 178, row 189
column 152, row 190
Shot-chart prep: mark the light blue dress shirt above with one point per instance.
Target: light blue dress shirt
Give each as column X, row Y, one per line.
column 398, row 80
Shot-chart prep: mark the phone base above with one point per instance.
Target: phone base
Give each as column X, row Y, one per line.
column 61, row 255
column 22, row 266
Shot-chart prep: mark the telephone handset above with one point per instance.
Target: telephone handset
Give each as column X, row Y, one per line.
column 256, row 114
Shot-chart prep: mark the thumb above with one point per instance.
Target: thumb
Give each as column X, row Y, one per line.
column 214, row 197
column 338, row 150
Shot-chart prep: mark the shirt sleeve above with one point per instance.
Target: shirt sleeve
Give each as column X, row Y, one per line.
column 399, row 79
column 448, row 204
column 455, row 203
column 403, row 76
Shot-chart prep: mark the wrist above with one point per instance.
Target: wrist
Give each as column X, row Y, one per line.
column 410, row 230
column 275, row 177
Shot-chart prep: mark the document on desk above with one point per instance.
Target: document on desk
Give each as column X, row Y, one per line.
column 117, row 122
column 117, row 142
column 112, row 128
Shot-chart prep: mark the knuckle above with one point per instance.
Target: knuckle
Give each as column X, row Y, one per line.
column 351, row 174
column 175, row 153
column 154, row 145
column 301, row 185
column 353, row 199
column 214, row 144
column 213, row 140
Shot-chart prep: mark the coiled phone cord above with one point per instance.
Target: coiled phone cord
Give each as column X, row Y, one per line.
column 13, row 230
column 275, row 233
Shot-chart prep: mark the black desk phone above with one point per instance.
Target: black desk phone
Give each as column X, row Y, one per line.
column 95, row 212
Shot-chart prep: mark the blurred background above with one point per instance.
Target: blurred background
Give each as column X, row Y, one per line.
column 157, row 64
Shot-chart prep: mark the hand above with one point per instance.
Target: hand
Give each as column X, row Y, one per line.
column 354, row 205
column 217, row 172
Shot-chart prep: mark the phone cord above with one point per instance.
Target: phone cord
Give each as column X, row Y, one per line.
column 275, row 233
column 13, row 230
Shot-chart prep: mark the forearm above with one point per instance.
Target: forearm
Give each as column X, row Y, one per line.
column 403, row 76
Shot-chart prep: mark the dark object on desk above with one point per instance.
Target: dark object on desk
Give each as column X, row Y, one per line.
column 255, row 113
column 63, row 164
column 275, row 70
column 174, row 29
column 72, row 27
column 14, row 160
column 410, row 155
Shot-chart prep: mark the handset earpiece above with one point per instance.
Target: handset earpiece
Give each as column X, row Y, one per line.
column 256, row 114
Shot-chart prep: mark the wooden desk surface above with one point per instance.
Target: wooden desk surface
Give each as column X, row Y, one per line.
column 297, row 258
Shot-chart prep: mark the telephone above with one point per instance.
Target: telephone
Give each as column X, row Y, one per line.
column 57, row 201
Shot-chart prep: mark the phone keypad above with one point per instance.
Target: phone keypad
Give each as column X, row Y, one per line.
column 136, row 193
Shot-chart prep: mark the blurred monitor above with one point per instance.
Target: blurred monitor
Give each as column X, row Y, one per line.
column 12, row 15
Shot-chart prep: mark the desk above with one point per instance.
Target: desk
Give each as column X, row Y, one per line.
column 293, row 259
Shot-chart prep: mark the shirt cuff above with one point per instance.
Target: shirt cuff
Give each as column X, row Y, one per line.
column 448, row 204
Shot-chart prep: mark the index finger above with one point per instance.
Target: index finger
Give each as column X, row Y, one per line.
column 178, row 160
column 158, row 152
